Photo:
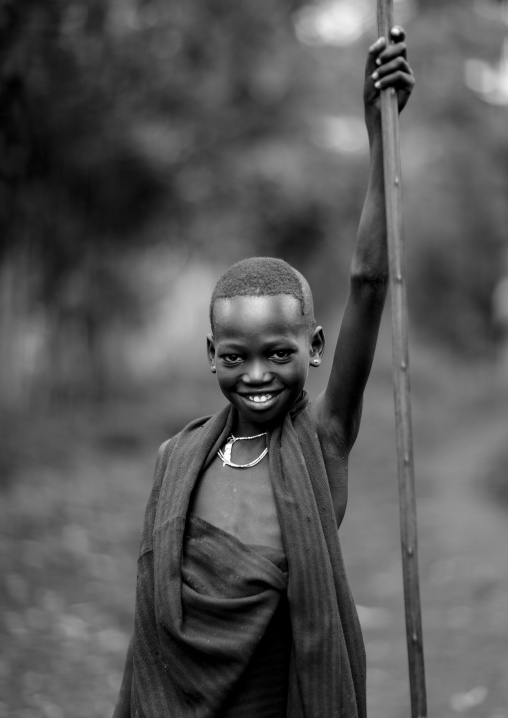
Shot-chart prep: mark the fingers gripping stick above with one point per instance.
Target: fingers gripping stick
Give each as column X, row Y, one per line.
column 405, row 466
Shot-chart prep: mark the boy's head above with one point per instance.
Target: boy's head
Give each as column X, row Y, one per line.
column 263, row 277
column 264, row 339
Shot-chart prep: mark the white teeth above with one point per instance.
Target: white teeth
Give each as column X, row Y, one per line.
column 260, row 398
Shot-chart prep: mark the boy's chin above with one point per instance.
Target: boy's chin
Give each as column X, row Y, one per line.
column 267, row 414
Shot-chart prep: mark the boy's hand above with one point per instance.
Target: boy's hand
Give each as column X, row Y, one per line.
column 387, row 66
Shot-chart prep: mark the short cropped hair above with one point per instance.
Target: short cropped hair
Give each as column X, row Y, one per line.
column 264, row 276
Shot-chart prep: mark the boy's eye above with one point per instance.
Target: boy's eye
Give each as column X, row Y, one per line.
column 281, row 354
column 231, row 358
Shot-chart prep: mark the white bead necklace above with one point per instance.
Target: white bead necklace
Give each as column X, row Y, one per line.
column 225, row 455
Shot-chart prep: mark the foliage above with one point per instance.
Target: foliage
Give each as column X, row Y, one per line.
column 112, row 112
column 120, row 126
column 456, row 153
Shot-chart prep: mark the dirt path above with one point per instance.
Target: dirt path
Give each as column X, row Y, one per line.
column 463, row 554
column 467, row 517
column 465, row 571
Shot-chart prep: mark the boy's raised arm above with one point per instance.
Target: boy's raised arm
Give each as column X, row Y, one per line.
column 341, row 403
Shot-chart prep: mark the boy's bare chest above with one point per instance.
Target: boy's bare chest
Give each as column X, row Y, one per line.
column 239, row 501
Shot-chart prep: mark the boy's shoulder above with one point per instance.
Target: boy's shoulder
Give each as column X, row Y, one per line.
column 168, row 445
column 163, row 458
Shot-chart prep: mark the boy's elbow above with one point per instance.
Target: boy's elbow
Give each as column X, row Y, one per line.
column 369, row 289
column 368, row 279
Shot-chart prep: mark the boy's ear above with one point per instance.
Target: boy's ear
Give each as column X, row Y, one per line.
column 210, row 350
column 317, row 346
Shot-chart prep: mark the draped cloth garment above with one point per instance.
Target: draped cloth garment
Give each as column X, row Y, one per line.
column 186, row 666
column 251, row 583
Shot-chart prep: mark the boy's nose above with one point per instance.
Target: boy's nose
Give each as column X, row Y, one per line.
column 257, row 373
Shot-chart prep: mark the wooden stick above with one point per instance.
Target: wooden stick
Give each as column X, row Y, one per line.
column 405, row 464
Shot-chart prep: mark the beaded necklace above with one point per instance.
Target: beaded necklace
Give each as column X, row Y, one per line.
column 225, row 455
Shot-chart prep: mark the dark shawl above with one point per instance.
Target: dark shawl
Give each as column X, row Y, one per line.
column 181, row 672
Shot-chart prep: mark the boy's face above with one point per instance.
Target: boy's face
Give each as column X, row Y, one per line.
column 262, row 351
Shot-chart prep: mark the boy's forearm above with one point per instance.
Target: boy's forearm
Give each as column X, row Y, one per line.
column 341, row 403
column 370, row 259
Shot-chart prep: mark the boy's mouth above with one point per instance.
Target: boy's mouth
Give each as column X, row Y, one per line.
column 261, row 400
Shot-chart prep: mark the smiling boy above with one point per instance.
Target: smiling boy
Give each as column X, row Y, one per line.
column 243, row 609
column 262, row 317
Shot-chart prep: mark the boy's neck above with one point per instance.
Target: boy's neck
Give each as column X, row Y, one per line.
column 242, row 427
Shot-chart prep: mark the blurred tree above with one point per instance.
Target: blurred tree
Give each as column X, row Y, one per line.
column 72, row 183
column 113, row 113
column 455, row 198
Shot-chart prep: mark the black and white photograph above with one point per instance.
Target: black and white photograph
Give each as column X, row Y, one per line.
column 253, row 358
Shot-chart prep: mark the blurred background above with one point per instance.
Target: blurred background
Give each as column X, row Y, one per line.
column 146, row 145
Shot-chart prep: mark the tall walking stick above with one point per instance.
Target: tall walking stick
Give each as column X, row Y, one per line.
column 405, row 464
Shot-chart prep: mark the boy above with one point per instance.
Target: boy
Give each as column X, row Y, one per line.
column 243, row 609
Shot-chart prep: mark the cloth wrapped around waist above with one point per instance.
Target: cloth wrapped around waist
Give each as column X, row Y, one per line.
column 236, row 614
column 228, row 654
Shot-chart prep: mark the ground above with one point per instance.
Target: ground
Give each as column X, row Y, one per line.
column 69, row 529
column 460, row 440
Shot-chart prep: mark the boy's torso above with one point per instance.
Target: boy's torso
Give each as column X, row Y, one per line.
column 242, row 501
column 239, row 501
